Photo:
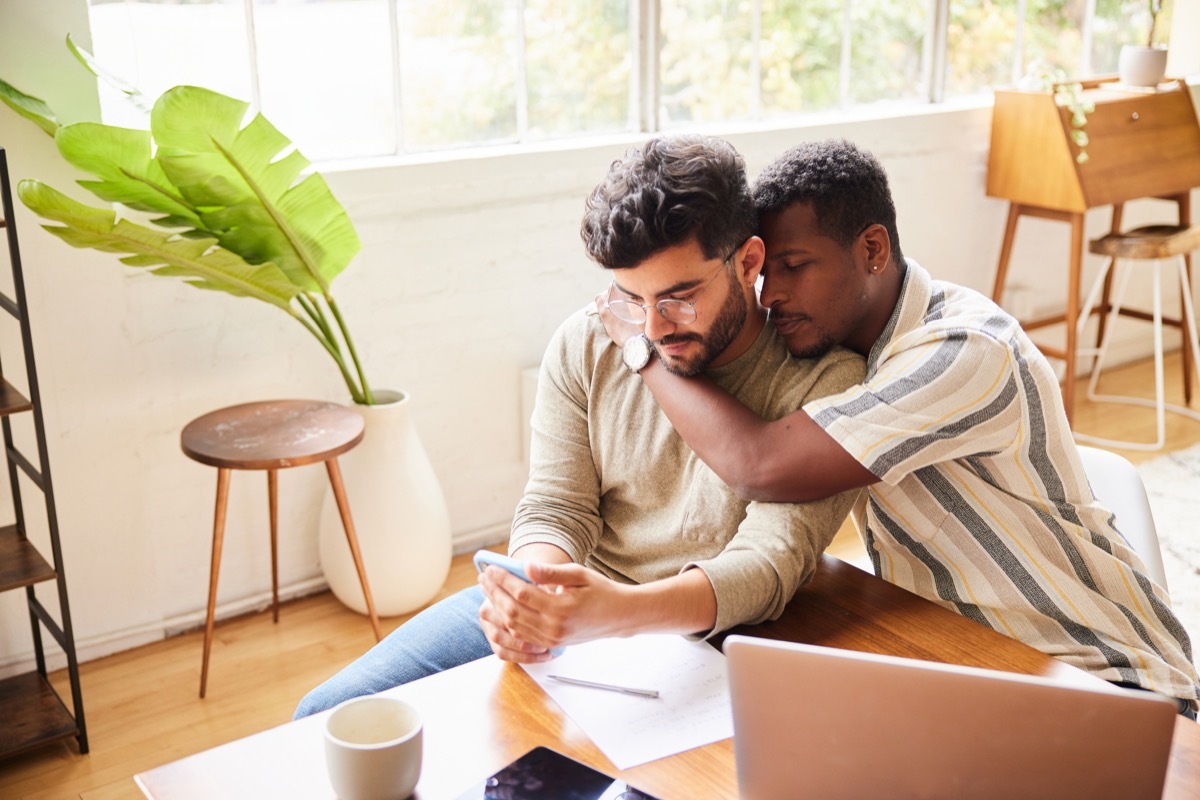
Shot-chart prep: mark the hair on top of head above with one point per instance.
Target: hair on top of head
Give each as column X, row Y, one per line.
column 662, row 194
column 847, row 188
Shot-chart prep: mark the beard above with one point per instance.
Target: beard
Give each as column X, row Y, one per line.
column 730, row 320
column 825, row 342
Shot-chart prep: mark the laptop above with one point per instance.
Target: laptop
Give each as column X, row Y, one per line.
column 816, row 722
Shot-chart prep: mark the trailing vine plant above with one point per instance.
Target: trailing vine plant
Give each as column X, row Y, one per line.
column 1068, row 94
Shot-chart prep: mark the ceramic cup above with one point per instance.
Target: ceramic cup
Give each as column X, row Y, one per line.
column 373, row 749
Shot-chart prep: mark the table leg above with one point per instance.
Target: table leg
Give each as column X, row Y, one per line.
column 1010, row 232
column 339, row 494
column 1184, row 202
column 1072, row 313
column 214, row 570
column 273, row 502
column 1117, row 213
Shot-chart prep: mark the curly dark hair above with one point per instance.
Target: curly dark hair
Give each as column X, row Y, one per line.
column 663, row 194
column 847, row 188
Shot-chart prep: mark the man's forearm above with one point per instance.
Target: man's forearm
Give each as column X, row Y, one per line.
column 790, row 460
column 683, row 604
column 693, row 403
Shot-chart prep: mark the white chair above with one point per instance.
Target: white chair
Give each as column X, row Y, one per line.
column 1117, row 484
column 1155, row 244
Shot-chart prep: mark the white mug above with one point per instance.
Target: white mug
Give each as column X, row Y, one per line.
column 373, row 748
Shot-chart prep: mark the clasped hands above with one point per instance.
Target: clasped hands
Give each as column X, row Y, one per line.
column 565, row 604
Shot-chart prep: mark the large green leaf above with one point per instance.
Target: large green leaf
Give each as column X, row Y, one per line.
column 29, row 107
column 246, row 181
column 122, row 159
column 200, row 262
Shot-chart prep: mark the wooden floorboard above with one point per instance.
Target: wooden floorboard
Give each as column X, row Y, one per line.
column 142, row 705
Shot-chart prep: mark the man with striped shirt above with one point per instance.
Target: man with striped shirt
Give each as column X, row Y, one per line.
column 976, row 497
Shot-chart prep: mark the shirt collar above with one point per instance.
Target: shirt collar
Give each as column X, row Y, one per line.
column 909, row 313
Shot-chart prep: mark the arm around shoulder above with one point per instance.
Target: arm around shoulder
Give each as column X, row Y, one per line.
column 791, row 459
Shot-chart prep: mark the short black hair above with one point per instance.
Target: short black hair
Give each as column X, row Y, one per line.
column 847, row 188
column 664, row 193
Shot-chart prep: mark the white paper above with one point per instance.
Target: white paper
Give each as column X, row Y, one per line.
column 692, row 708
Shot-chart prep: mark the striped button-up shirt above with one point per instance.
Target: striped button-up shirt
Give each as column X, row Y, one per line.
column 983, row 505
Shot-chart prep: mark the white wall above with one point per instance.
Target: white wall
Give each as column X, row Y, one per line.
column 467, row 267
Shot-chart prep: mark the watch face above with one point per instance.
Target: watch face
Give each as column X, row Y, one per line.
column 637, row 352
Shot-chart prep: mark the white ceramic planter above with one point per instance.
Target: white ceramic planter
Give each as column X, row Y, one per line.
column 399, row 515
column 1139, row 65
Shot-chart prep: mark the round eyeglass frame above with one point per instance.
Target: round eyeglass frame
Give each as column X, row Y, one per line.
column 674, row 310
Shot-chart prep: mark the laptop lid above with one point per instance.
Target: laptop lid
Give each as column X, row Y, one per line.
column 816, row 722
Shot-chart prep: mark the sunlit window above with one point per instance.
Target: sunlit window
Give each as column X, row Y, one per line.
column 352, row 78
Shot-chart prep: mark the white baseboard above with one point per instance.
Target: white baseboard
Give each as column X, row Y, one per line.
column 94, row 647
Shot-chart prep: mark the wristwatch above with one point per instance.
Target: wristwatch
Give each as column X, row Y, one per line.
column 637, row 352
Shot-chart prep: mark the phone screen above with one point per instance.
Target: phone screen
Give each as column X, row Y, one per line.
column 544, row 774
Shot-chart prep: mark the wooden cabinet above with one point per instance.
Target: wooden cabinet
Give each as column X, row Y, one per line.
column 31, row 711
column 1141, row 144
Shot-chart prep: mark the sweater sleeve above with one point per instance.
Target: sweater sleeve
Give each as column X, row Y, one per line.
column 561, row 504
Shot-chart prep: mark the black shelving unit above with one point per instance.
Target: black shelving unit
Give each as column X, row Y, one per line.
column 33, row 711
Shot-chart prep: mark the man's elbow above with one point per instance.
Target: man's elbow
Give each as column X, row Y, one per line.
column 758, row 482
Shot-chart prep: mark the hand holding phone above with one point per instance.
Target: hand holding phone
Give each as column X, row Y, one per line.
column 485, row 558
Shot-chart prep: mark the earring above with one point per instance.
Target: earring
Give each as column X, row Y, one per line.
column 874, row 268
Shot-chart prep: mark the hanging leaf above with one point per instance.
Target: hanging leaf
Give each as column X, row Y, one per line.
column 29, row 107
column 123, row 86
column 200, row 262
column 246, row 181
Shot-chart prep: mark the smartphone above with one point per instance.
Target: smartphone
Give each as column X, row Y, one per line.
column 545, row 774
column 484, row 558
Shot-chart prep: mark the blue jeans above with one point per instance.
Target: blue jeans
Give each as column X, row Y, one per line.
column 442, row 636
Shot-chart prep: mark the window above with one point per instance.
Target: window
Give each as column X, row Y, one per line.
column 349, row 78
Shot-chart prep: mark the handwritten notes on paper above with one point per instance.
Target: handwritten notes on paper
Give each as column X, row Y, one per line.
column 692, row 708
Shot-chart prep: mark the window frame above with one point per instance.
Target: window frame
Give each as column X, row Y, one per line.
column 645, row 90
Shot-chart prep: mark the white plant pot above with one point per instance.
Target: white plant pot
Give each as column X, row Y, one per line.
column 1139, row 65
column 399, row 515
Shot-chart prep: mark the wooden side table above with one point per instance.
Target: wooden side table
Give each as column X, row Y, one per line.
column 1142, row 144
column 273, row 435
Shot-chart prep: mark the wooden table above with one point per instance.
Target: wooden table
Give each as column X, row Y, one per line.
column 272, row 435
column 483, row 715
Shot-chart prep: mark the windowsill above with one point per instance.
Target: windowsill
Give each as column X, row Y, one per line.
column 608, row 143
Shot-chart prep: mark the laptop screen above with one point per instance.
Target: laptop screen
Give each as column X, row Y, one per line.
column 817, row 722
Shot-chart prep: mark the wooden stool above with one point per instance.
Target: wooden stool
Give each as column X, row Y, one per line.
column 1149, row 243
column 273, row 435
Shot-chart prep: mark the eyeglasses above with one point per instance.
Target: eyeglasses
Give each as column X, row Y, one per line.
column 680, row 312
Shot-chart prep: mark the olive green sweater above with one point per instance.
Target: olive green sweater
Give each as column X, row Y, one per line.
column 613, row 484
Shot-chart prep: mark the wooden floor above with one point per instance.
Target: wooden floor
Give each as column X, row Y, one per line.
column 142, row 705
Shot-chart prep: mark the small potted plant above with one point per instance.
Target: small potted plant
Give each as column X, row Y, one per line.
column 1144, row 64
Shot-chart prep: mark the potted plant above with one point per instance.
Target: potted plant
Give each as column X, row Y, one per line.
column 1144, row 64
column 223, row 201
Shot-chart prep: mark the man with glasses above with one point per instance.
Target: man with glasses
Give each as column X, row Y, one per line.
column 622, row 530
